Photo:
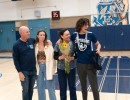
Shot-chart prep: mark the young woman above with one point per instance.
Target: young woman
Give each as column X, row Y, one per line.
column 63, row 76
column 83, row 39
column 44, row 54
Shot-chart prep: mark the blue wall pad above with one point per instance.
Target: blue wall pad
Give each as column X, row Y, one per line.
column 7, row 35
column 110, row 37
column 38, row 24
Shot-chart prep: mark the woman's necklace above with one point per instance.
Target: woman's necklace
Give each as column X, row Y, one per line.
column 81, row 46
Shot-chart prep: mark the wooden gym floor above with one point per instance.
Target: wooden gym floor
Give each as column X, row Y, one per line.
column 10, row 87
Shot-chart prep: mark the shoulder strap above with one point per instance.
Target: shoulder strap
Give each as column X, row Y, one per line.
column 91, row 42
column 91, row 46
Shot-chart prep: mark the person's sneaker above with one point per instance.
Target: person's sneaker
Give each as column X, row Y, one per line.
column 35, row 85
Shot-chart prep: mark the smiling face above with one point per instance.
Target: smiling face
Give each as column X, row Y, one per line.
column 41, row 36
column 66, row 36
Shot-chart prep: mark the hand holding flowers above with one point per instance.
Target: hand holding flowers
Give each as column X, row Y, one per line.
column 65, row 50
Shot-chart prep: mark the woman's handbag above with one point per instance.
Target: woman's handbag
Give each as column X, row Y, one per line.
column 95, row 60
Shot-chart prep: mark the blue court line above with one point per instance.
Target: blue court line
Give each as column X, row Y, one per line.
column 5, row 57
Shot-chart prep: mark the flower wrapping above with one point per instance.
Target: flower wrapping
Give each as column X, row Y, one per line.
column 65, row 50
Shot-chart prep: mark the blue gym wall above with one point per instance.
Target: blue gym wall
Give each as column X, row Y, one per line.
column 36, row 25
column 7, row 35
column 110, row 37
column 54, row 34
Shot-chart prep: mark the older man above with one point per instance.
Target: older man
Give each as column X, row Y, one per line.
column 24, row 61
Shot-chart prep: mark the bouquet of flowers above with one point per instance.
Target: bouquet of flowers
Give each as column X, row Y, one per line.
column 65, row 50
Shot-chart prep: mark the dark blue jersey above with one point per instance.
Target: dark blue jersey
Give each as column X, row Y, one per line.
column 83, row 56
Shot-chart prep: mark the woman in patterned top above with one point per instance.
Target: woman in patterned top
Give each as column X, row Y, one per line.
column 44, row 57
column 64, row 77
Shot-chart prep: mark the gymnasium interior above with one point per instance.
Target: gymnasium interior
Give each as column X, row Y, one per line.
column 53, row 15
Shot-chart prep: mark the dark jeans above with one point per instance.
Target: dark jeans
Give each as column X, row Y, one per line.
column 28, row 84
column 63, row 79
column 87, row 71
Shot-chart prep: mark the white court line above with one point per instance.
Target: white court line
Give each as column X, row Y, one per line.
column 114, row 76
column 119, row 69
column 116, row 86
column 117, row 80
column 77, row 83
column 104, row 75
column 125, row 76
column 118, row 75
column 124, row 69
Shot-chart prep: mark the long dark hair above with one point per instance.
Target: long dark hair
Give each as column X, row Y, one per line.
column 37, row 39
column 61, row 33
column 80, row 23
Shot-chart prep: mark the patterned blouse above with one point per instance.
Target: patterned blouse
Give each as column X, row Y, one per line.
column 41, row 55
